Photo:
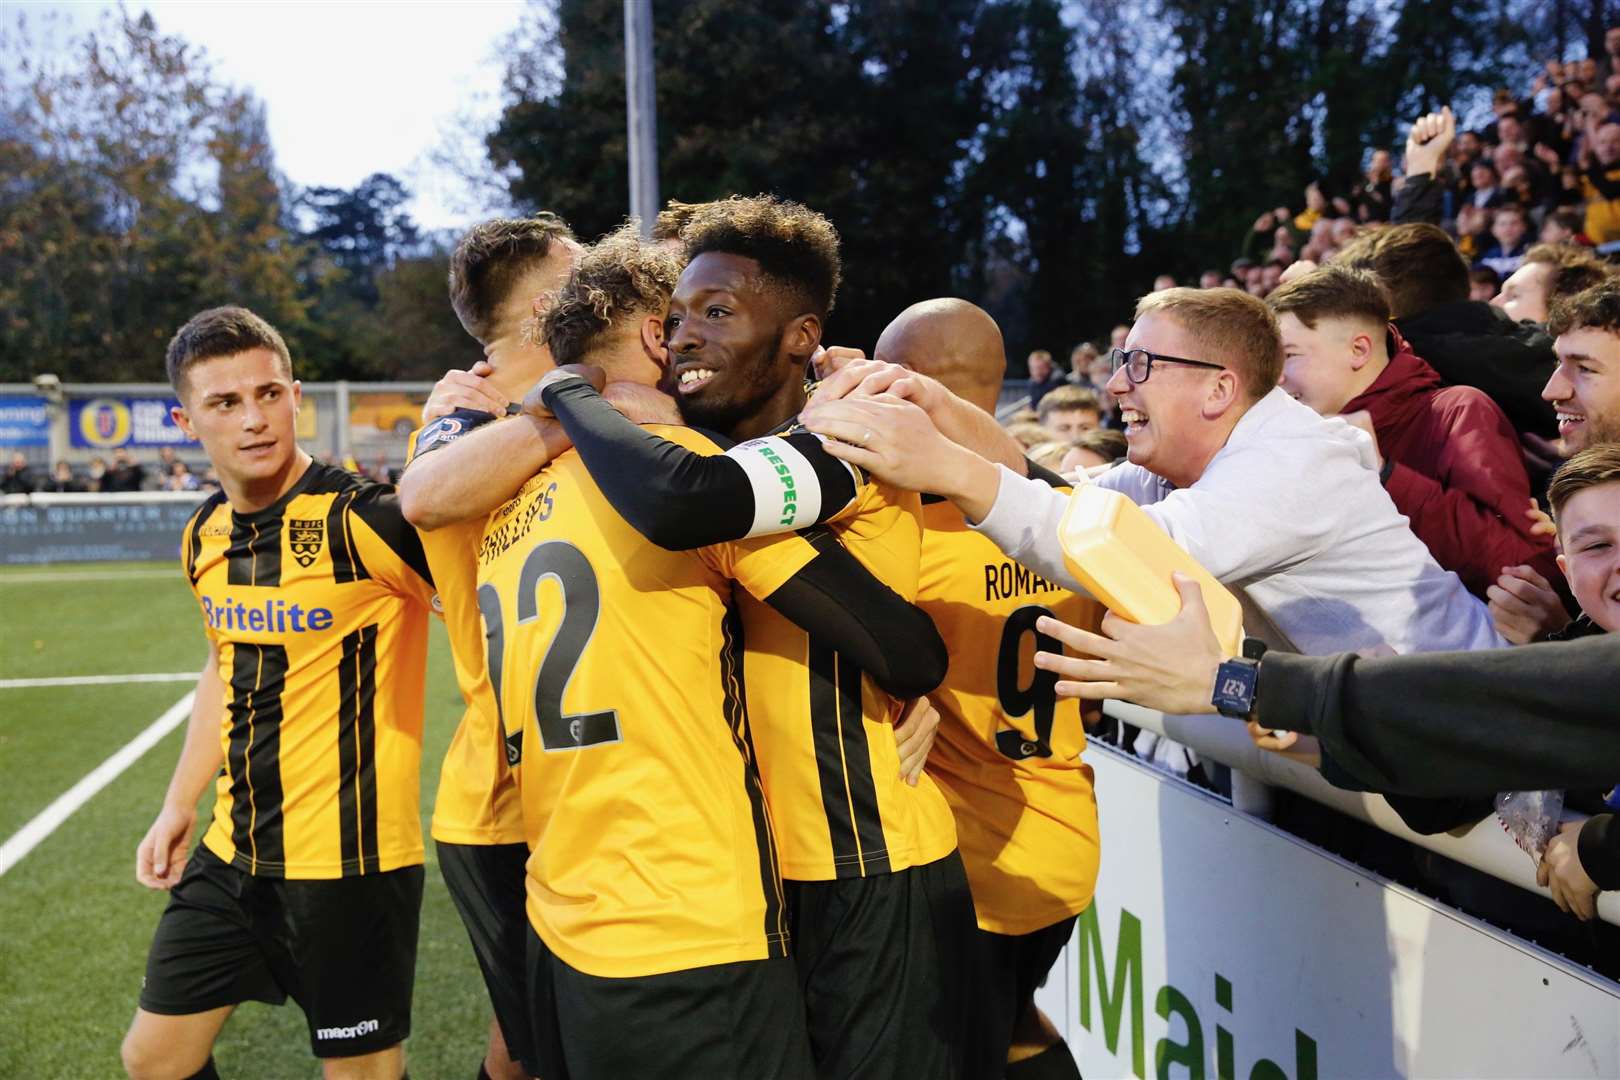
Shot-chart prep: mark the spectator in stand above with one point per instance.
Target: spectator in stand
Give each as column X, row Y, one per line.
column 1585, row 499
column 1316, row 207
column 1600, row 183
column 1483, row 283
column 1447, row 455
column 1069, row 411
column 1044, row 377
column 19, row 478
column 1563, row 226
column 1092, row 449
column 1484, row 191
column 1473, row 232
column 1163, row 282
column 1344, row 231
column 1585, row 391
column 1049, row 454
column 1081, row 359
column 1510, row 229
column 1209, row 279
column 1271, row 274
column 96, row 476
column 1549, row 272
column 63, row 480
column 179, row 478
column 1467, row 341
column 1029, row 434
column 165, row 466
column 126, row 473
column 1375, row 195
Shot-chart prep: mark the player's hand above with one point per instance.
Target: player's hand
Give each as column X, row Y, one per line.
column 643, row 404
column 1524, row 606
column 1170, row 667
column 1430, row 138
column 535, row 407
column 829, row 359
column 914, row 737
column 470, row 389
column 1573, row 890
column 161, row 856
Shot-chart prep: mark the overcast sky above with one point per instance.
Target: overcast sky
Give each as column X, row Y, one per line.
column 352, row 88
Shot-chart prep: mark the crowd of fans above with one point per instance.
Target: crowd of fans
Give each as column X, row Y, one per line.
column 1462, row 314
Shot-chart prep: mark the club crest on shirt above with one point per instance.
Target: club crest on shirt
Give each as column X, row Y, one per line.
column 304, row 537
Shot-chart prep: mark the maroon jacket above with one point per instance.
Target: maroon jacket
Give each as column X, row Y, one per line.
column 1454, row 468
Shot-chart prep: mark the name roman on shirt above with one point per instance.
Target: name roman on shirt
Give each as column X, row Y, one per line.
column 1007, row 580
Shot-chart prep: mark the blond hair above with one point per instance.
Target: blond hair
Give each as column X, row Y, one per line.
column 1235, row 329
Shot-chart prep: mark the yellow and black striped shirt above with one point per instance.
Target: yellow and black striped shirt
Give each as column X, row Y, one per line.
column 477, row 800
column 619, row 663
column 825, row 730
column 318, row 607
column 1008, row 756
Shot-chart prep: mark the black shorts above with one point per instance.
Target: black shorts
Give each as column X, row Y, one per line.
column 487, row 882
column 743, row 1019
column 344, row 949
column 1010, row 969
column 883, row 962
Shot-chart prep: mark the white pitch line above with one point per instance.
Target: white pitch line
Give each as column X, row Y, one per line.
column 96, row 680
column 50, row 578
column 46, row 821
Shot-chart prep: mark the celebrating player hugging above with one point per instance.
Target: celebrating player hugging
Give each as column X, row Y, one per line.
column 694, row 816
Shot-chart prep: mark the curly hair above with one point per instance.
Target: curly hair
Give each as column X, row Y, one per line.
column 673, row 218
column 618, row 276
column 491, row 258
column 796, row 248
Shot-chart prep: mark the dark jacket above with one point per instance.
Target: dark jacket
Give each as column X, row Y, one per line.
column 1471, row 343
column 1455, row 470
column 1038, row 390
column 17, row 481
column 1462, row 724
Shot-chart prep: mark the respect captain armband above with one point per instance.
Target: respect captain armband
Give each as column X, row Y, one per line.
column 787, row 492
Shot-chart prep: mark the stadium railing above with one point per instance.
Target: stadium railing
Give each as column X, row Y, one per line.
column 1484, row 846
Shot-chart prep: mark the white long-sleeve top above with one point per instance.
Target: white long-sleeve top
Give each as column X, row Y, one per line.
column 1289, row 514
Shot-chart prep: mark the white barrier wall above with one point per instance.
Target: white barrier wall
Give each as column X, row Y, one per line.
column 1221, row 947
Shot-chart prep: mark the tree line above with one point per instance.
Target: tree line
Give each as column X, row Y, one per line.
column 1043, row 158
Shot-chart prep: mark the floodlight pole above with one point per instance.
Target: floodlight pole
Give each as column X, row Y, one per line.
column 641, row 111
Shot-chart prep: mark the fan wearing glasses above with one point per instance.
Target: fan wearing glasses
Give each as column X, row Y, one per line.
column 1280, row 504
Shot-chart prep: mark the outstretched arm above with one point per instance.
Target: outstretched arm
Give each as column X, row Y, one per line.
column 681, row 499
column 474, row 466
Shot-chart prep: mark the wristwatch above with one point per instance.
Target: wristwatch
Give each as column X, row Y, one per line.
column 1237, row 680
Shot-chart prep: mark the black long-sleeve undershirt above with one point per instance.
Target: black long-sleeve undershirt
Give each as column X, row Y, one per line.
column 675, row 497
column 839, row 601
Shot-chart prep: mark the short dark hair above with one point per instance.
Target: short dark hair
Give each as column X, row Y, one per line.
column 1331, row 292
column 618, row 276
column 1596, row 308
column 796, row 248
column 1106, row 442
column 1484, row 275
column 221, row 331
column 1418, row 263
column 491, row 258
column 1511, row 209
column 1068, row 399
column 1590, row 468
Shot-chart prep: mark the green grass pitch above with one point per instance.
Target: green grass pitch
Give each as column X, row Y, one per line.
column 76, row 925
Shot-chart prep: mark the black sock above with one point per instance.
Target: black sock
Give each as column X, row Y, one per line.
column 1053, row 1063
column 207, row 1072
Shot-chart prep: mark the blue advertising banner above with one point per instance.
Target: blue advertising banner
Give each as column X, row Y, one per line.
column 94, row 529
column 106, row 423
column 24, row 422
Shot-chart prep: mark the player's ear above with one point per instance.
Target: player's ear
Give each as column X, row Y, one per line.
column 182, row 420
column 802, row 337
column 297, row 394
column 652, row 340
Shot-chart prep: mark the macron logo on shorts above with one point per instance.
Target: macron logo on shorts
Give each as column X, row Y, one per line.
column 353, row 1031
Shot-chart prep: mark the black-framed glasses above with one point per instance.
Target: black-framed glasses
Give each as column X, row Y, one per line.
column 1138, row 363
